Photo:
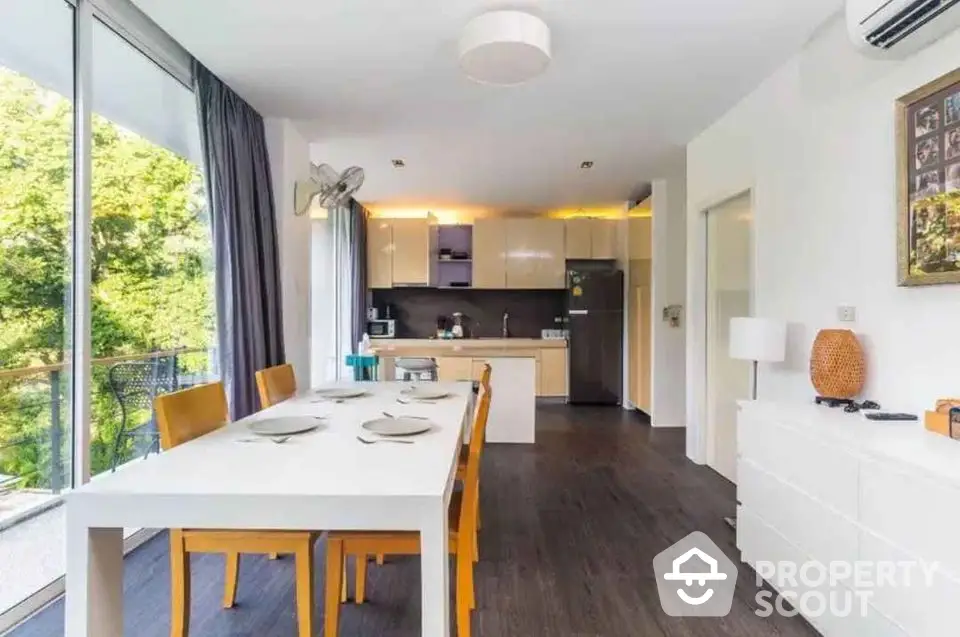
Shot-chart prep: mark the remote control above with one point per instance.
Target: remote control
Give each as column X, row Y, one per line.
column 884, row 415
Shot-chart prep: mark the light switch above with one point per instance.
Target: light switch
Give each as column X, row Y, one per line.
column 847, row 313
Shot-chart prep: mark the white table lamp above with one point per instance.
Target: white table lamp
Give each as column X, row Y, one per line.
column 759, row 340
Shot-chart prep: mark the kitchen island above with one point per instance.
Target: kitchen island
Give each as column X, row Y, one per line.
column 522, row 369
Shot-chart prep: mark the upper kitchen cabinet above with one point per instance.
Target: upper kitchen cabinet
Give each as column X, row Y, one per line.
column 603, row 238
column 380, row 253
column 535, row 254
column 591, row 238
column 411, row 251
column 640, row 232
column 490, row 254
column 579, row 238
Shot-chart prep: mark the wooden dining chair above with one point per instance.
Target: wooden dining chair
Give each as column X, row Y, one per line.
column 276, row 384
column 464, row 455
column 181, row 417
column 461, row 475
column 462, row 524
column 465, row 451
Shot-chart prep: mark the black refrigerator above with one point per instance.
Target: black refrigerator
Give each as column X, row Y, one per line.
column 595, row 313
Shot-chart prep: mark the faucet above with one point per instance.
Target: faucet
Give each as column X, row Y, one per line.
column 505, row 329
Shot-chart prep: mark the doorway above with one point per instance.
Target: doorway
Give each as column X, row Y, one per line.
column 729, row 294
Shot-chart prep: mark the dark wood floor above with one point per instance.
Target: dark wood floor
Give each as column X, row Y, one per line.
column 571, row 526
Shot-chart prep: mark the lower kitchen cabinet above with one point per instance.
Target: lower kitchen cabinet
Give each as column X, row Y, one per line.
column 477, row 369
column 553, row 372
column 455, row 368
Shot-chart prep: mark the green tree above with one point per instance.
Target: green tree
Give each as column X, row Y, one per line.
column 151, row 265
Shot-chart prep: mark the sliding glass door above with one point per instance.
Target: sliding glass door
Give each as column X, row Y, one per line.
column 152, row 310
column 36, row 289
column 144, row 324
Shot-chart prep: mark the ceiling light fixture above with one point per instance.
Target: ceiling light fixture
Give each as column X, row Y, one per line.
column 586, row 165
column 399, row 163
column 505, row 47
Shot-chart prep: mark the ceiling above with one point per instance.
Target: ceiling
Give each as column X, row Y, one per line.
column 631, row 82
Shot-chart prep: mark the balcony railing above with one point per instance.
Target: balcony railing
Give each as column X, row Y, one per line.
column 36, row 458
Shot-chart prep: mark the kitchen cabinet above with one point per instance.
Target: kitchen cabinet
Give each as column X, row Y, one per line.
column 591, row 238
column 490, row 254
column 455, row 368
column 412, row 256
column 535, row 254
column 398, row 252
column 603, row 238
column 639, row 230
column 639, row 321
column 579, row 243
column 380, row 253
column 455, row 361
column 477, row 368
column 553, row 372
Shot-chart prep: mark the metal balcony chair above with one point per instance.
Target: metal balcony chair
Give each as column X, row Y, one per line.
column 135, row 384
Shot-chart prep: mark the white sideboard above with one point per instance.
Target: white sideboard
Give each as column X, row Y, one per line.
column 817, row 484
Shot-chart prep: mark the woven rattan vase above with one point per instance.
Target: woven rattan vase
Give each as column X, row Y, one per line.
column 837, row 366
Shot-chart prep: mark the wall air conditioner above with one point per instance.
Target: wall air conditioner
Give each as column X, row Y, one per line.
column 897, row 28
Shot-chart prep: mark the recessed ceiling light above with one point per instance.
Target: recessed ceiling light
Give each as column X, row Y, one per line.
column 399, row 163
column 586, row 165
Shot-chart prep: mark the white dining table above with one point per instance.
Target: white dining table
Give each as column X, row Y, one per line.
column 323, row 480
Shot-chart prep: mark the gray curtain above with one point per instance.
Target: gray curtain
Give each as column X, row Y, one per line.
column 240, row 197
column 357, row 251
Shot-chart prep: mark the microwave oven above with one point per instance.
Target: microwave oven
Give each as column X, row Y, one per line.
column 382, row 328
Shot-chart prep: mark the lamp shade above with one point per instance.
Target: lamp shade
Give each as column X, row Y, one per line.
column 505, row 47
column 758, row 339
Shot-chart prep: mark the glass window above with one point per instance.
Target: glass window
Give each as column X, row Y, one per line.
column 36, row 215
column 151, row 297
column 153, row 315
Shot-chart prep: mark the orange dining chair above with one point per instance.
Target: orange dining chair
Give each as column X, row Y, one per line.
column 276, row 384
column 462, row 524
column 465, row 451
column 181, row 417
column 464, row 454
column 461, row 474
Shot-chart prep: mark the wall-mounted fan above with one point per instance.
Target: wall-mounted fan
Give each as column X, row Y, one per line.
column 326, row 186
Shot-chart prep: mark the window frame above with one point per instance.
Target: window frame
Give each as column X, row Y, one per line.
column 140, row 32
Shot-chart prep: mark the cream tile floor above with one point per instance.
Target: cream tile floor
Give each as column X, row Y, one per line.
column 31, row 556
column 32, row 550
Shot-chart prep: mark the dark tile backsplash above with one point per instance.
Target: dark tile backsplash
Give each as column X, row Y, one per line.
column 416, row 310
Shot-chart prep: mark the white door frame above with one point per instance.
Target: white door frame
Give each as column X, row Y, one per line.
column 697, row 434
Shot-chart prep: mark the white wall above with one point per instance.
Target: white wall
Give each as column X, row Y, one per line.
column 669, row 283
column 289, row 161
column 815, row 143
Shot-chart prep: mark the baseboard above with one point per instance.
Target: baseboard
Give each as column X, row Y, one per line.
column 667, row 426
column 50, row 593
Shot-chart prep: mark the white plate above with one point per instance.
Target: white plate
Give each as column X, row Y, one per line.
column 398, row 426
column 284, row 426
column 424, row 392
column 341, row 392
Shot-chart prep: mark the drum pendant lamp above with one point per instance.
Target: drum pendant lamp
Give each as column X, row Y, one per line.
column 505, row 48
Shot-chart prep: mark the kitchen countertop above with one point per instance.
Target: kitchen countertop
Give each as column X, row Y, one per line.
column 465, row 347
